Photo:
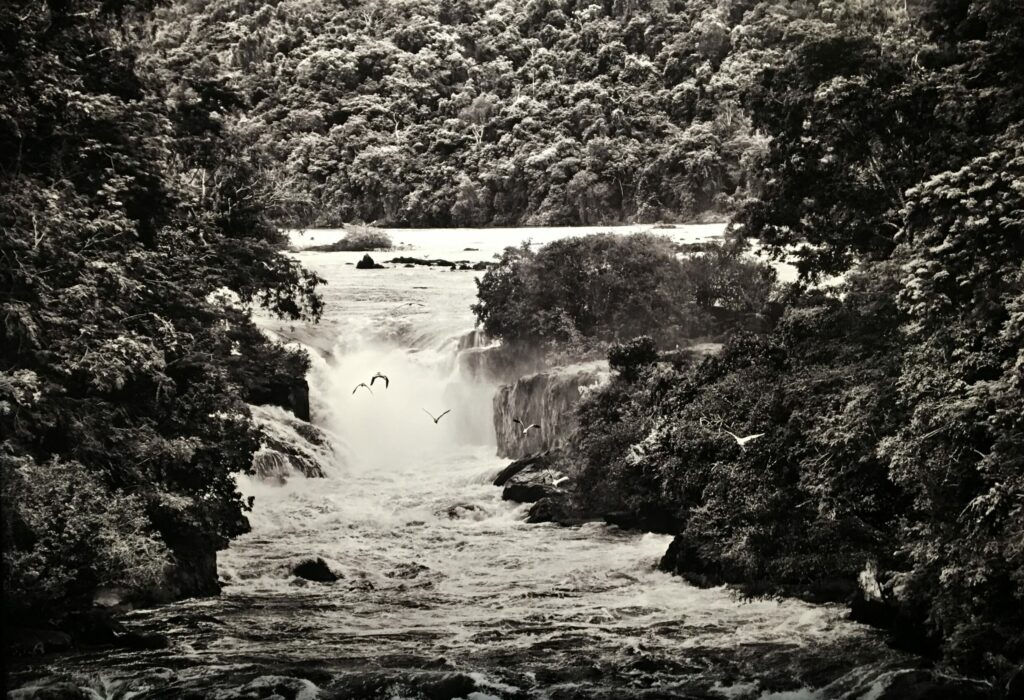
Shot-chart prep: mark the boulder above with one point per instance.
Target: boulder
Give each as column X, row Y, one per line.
column 315, row 570
column 540, row 461
column 553, row 509
column 367, row 263
column 536, row 480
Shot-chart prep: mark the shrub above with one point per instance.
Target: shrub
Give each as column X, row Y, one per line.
column 358, row 238
column 607, row 288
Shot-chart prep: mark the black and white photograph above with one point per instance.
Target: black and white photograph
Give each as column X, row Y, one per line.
column 512, row 349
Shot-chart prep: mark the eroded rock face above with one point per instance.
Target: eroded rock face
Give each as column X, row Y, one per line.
column 546, row 398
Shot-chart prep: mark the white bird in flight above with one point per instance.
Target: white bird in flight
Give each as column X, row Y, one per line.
column 432, row 415
column 364, row 385
column 742, row 441
column 526, row 428
column 387, row 382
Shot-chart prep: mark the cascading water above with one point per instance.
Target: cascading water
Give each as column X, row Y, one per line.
column 443, row 591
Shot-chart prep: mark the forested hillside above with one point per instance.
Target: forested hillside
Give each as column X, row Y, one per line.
column 130, row 245
column 888, row 411
column 476, row 112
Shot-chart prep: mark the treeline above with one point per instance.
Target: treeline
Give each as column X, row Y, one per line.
column 892, row 404
column 133, row 236
column 476, row 112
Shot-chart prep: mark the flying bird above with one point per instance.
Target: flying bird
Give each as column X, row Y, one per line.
column 364, row 385
column 742, row 441
column 387, row 382
column 439, row 417
column 530, row 427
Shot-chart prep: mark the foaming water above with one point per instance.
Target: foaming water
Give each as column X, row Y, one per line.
column 444, row 590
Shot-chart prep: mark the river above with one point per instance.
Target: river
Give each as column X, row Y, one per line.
column 444, row 591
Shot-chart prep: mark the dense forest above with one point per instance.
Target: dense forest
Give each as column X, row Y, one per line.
column 149, row 153
column 475, row 112
column 131, row 245
column 892, row 404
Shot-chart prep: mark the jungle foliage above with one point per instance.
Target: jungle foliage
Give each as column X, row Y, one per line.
column 582, row 292
column 133, row 236
column 892, row 405
column 484, row 112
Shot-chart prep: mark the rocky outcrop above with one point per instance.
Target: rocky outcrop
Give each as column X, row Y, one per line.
column 367, row 263
column 441, row 262
column 315, row 570
column 531, row 479
column 290, row 447
column 546, row 398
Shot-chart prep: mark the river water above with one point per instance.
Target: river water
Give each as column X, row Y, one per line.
column 444, row 591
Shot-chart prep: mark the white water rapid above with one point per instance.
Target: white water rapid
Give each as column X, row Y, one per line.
column 443, row 590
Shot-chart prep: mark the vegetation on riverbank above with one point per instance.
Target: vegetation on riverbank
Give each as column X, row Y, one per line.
column 357, row 239
column 133, row 236
column 892, row 404
column 579, row 294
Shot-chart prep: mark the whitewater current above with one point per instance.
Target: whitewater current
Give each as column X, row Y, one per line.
column 444, row 591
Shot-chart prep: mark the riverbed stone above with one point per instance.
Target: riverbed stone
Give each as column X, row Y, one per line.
column 315, row 570
column 368, row 263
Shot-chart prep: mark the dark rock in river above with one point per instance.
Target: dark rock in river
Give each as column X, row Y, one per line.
column 535, row 480
column 553, row 509
column 367, row 263
column 427, row 262
column 315, row 570
column 542, row 460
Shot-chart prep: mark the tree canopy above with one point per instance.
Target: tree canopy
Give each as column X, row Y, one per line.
column 127, row 351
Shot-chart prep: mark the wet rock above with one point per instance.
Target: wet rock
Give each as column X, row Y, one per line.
column 553, row 509
column 540, row 461
column 407, row 571
column 535, row 481
column 367, row 263
column 462, row 510
column 928, row 685
column 427, row 262
column 315, row 570
column 276, row 688
column 683, row 559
